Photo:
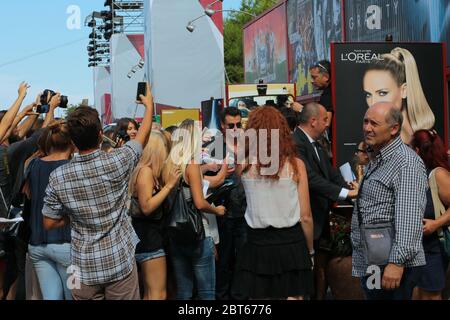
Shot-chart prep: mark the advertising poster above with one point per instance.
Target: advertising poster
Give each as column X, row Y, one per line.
column 312, row 26
column 176, row 116
column 361, row 80
column 211, row 110
column 265, row 48
column 405, row 20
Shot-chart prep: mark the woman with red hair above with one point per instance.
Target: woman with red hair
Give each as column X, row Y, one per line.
column 430, row 148
column 276, row 261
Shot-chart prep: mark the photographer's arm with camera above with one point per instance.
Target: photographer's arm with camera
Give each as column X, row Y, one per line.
column 54, row 102
column 10, row 115
column 146, row 126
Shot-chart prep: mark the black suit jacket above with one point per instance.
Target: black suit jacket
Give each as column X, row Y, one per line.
column 324, row 182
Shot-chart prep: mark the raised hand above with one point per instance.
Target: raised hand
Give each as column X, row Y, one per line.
column 23, row 88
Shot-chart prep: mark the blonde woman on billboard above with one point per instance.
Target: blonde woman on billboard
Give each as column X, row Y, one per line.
column 396, row 79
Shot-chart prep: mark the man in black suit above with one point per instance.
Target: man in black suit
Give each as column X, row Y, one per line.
column 326, row 185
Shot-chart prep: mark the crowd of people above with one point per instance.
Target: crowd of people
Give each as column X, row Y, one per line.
column 98, row 207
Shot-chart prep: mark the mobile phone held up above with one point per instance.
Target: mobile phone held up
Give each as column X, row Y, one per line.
column 142, row 89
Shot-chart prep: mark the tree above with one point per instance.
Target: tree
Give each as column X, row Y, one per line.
column 233, row 39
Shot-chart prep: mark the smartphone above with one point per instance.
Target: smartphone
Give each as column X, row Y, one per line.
column 142, row 89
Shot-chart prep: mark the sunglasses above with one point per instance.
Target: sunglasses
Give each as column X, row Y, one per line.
column 233, row 125
column 319, row 65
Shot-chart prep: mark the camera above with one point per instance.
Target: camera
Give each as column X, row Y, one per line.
column 44, row 101
column 122, row 134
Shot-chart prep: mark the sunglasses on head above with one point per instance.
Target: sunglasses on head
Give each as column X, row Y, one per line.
column 319, row 65
column 232, row 125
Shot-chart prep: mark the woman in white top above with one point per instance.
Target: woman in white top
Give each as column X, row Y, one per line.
column 275, row 263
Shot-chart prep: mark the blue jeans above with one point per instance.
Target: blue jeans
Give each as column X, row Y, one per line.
column 233, row 235
column 410, row 279
column 194, row 262
column 51, row 262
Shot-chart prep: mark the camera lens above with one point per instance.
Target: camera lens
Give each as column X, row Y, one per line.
column 64, row 102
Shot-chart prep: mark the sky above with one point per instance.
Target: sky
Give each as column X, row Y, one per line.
column 30, row 30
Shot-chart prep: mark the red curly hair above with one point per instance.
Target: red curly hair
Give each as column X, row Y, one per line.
column 269, row 118
column 430, row 148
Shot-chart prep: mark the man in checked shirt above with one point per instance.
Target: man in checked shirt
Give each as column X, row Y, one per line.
column 393, row 190
column 91, row 191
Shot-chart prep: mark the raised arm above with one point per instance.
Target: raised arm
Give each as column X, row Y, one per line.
column 146, row 126
column 9, row 116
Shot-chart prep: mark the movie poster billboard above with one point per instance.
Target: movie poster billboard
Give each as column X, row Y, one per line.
column 361, row 79
column 405, row 20
column 265, row 48
column 312, row 26
column 211, row 110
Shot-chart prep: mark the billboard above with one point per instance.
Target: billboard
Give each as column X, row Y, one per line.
column 102, row 93
column 312, row 26
column 359, row 83
column 265, row 48
column 127, row 69
column 405, row 20
column 185, row 68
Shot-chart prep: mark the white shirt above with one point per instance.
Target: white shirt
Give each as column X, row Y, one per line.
column 271, row 203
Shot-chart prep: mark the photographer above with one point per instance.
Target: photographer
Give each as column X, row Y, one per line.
column 14, row 156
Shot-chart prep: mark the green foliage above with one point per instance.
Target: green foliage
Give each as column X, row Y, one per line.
column 233, row 36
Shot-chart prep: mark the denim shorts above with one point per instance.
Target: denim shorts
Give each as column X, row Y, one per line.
column 142, row 257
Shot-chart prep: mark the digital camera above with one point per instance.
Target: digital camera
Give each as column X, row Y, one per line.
column 45, row 95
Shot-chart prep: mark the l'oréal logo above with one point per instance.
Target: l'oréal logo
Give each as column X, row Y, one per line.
column 361, row 56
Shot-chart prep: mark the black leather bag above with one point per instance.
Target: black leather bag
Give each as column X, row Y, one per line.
column 184, row 223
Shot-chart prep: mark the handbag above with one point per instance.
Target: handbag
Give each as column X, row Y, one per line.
column 439, row 209
column 136, row 212
column 377, row 238
column 185, row 222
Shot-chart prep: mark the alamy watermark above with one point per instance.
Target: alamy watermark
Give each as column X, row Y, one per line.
column 73, row 21
column 253, row 146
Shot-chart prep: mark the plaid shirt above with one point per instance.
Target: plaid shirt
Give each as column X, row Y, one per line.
column 93, row 190
column 394, row 190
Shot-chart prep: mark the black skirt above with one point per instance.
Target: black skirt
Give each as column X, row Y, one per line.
column 274, row 264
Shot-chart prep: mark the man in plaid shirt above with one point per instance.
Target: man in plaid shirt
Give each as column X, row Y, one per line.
column 393, row 190
column 91, row 191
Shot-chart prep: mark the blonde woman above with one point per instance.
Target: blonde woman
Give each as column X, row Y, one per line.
column 192, row 261
column 148, row 194
column 396, row 79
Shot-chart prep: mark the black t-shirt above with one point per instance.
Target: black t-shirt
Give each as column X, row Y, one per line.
column 235, row 201
column 18, row 153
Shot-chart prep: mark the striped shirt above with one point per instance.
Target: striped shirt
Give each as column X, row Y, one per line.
column 92, row 190
column 394, row 190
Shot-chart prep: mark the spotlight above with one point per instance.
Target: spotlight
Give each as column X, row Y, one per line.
column 210, row 12
column 92, row 23
column 190, row 27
